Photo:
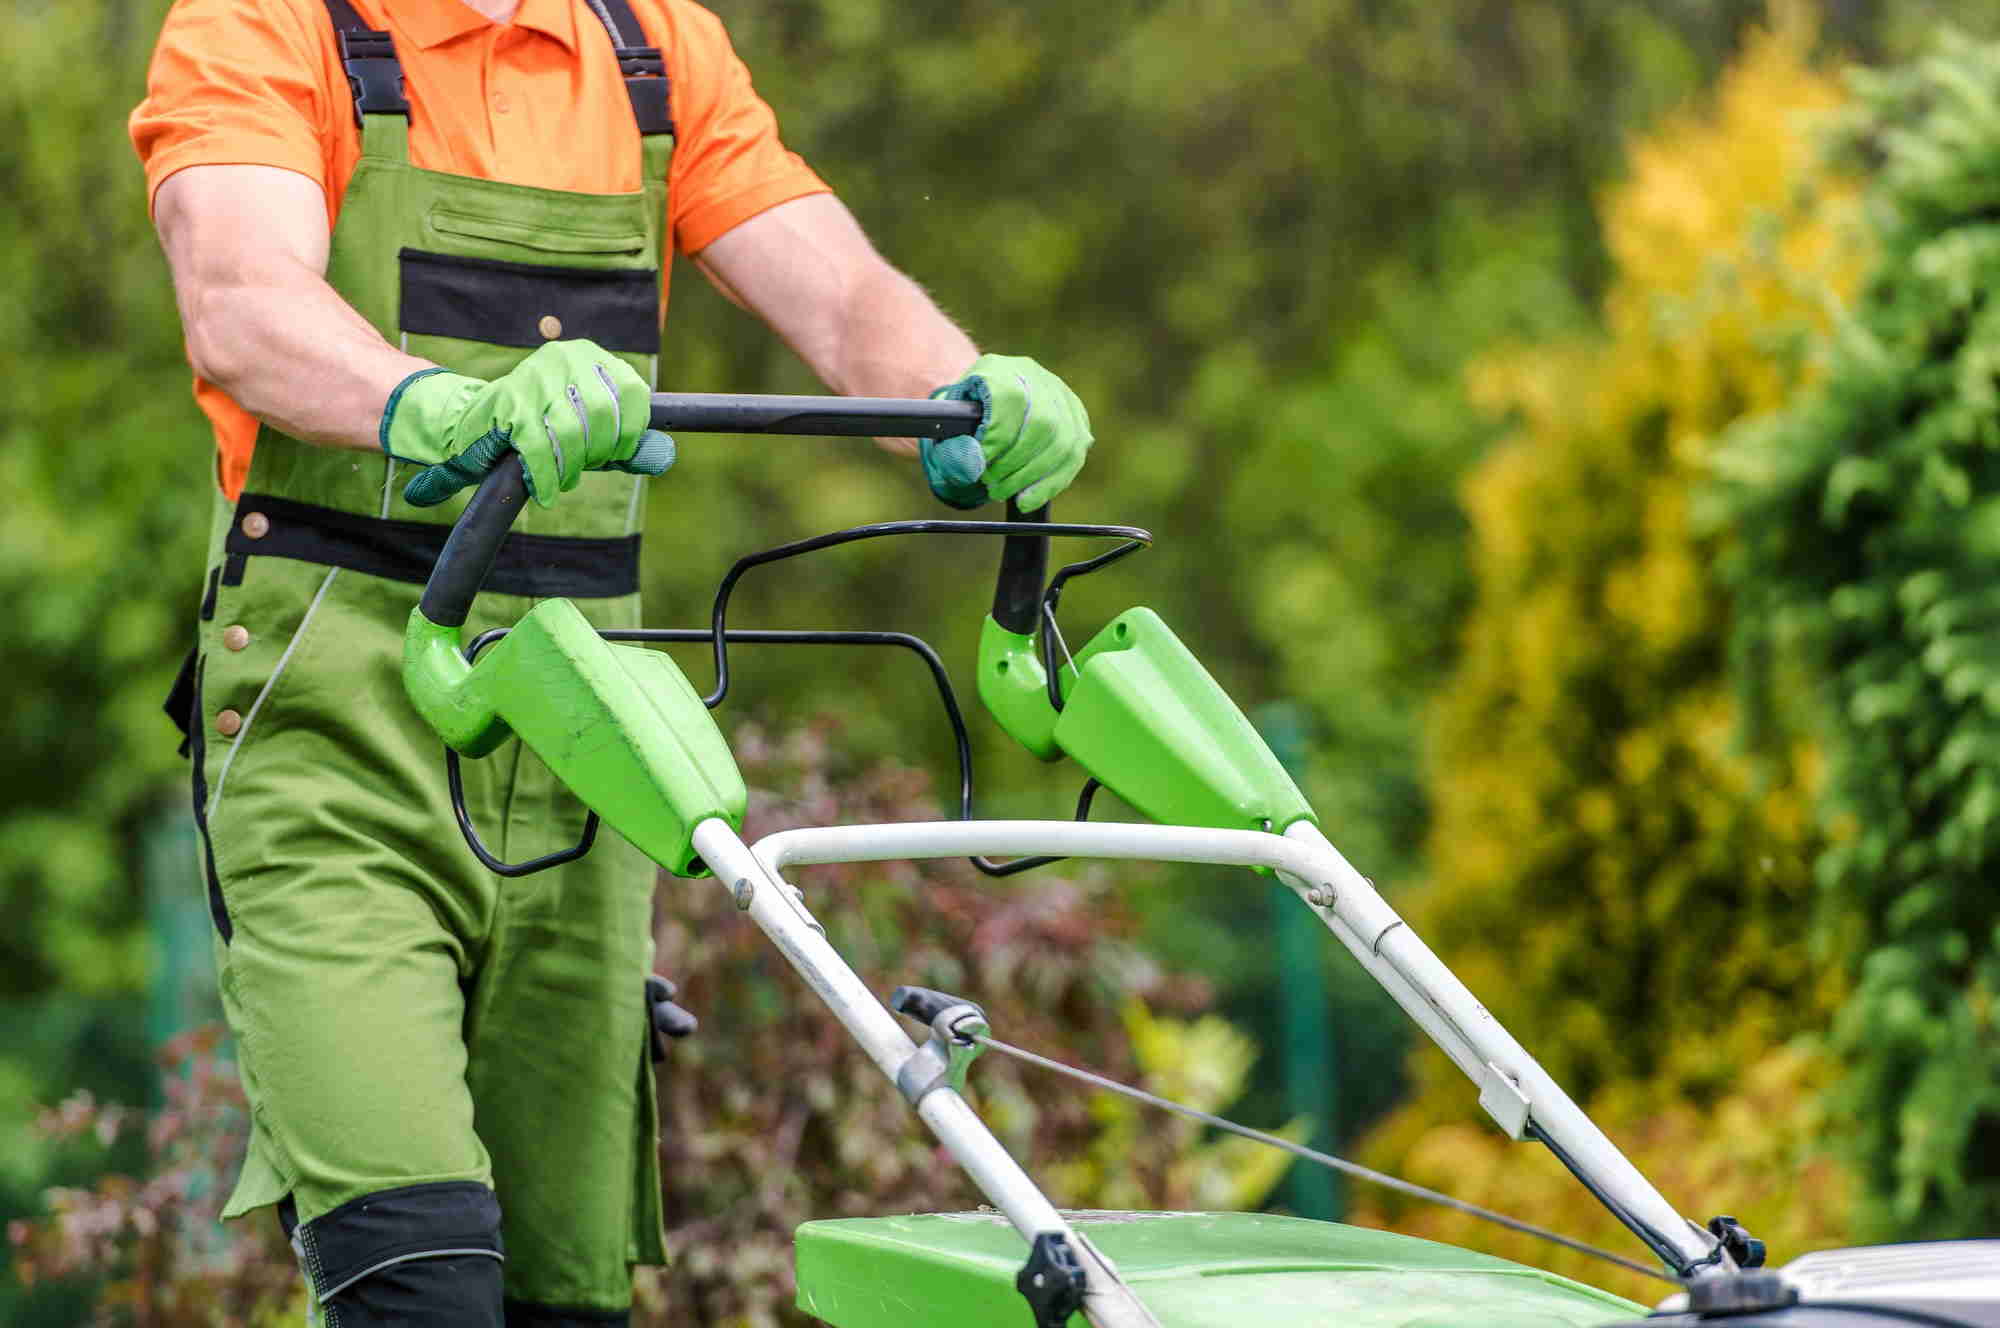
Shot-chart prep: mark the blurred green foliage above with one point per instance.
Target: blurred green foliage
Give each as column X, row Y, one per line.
column 1869, row 520
column 1313, row 214
column 99, row 558
column 1261, row 239
column 1624, row 886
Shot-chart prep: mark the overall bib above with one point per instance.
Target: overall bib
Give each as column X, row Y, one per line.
column 417, row 1036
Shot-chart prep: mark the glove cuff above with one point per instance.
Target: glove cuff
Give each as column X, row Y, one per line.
column 653, row 454
column 972, row 387
column 423, row 412
column 953, row 467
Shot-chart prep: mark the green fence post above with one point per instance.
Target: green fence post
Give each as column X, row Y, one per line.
column 183, row 994
column 1306, row 1048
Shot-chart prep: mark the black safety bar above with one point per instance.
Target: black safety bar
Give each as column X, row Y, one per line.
column 1023, row 601
column 475, row 540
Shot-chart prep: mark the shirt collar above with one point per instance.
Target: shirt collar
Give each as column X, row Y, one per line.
column 551, row 18
column 432, row 23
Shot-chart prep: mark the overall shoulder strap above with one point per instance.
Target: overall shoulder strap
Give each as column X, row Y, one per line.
column 644, row 68
column 374, row 74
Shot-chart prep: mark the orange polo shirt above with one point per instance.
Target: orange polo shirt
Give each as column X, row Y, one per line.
column 536, row 101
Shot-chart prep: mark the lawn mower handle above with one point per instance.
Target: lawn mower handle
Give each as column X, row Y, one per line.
column 475, row 539
column 833, row 417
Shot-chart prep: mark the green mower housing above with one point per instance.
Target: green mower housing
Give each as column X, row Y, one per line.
column 1192, row 1270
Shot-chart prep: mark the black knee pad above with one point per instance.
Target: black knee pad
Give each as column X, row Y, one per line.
column 426, row 1256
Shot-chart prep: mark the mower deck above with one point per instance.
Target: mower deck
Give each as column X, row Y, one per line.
column 1192, row 1270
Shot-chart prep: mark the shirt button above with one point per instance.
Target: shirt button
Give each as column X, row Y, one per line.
column 228, row 723
column 236, row 636
column 500, row 103
column 256, row 525
column 550, row 326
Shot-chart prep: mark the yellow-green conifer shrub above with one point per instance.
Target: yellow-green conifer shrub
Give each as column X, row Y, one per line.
column 1623, row 887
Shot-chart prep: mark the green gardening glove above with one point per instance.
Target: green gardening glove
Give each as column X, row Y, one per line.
column 571, row 406
column 1032, row 437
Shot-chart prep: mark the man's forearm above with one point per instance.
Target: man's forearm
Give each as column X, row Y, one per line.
column 862, row 326
column 894, row 341
column 247, row 247
column 806, row 269
column 290, row 351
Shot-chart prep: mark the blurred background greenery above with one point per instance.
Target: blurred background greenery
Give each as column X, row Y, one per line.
column 1570, row 428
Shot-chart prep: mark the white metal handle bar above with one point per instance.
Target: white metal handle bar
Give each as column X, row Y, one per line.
column 1513, row 1087
column 778, row 912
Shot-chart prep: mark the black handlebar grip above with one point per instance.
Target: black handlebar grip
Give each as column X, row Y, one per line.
column 837, row 417
column 474, row 544
column 923, row 1003
column 1024, row 567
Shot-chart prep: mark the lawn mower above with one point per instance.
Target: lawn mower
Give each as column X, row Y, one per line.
column 621, row 725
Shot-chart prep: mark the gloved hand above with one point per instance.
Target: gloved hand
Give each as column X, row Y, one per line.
column 1031, row 442
column 571, row 406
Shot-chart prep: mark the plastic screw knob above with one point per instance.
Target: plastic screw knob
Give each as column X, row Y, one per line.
column 1052, row 1281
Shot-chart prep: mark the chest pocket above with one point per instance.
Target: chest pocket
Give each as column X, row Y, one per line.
column 613, row 243
column 522, row 305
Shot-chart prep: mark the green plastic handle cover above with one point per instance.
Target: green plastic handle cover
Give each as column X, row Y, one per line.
column 1143, row 716
column 620, row 726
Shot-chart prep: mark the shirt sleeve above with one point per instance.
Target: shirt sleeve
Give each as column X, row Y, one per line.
column 233, row 82
column 729, row 163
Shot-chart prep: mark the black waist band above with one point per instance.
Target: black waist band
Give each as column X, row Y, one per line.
column 537, row 565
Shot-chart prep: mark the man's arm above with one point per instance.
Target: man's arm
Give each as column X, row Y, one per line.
column 807, row 270
column 248, row 247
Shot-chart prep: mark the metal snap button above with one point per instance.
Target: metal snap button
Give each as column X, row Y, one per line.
column 256, row 525
column 228, row 723
column 550, row 326
column 236, row 636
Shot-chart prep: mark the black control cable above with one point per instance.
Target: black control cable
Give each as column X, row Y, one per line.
column 1315, row 1156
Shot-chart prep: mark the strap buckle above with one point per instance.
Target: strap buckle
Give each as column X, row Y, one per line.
column 646, row 83
column 634, row 61
column 374, row 75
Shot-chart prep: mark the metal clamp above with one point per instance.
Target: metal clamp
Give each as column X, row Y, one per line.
column 942, row 1062
column 1505, row 1101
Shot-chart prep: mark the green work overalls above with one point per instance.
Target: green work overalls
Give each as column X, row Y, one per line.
column 404, row 1018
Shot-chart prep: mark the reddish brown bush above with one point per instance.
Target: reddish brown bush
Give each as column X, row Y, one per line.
column 164, row 1260
column 769, row 1115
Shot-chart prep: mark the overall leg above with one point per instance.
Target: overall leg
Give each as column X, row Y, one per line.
column 344, row 989
column 346, row 934
column 560, row 1071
